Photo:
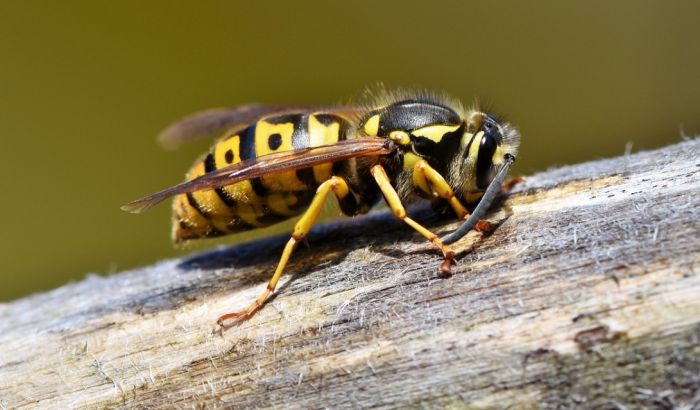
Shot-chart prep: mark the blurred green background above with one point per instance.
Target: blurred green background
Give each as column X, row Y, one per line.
column 86, row 85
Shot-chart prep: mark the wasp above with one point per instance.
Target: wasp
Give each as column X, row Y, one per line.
column 276, row 162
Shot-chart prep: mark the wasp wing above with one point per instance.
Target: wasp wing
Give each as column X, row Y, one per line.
column 267, row 165
column 205, row 123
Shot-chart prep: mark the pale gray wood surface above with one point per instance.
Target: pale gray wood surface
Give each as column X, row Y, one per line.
column 587, row 295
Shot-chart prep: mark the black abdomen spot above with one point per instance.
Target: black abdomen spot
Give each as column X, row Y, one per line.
column 228, row 156
column 258, row 187
column 209, row 163
column 274, row 141
column 306, row 175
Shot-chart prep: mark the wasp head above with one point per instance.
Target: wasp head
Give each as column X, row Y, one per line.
column 486, row 145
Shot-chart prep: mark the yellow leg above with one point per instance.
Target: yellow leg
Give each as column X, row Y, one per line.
column 429, row 180
column 299, row 232
column 397, row 208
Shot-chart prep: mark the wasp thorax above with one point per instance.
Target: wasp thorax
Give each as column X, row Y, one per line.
column 408, row 116
column 422, row 129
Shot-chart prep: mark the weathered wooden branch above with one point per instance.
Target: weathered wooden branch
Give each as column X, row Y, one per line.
column 587, row 294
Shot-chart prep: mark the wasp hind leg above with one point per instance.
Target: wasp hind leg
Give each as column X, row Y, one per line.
column 299, row 232
column 397, row 208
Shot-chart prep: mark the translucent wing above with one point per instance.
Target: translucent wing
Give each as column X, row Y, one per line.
column 205, row 123
column 267, row 165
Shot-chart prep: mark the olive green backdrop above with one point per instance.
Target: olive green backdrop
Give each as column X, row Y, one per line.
column 86, row 85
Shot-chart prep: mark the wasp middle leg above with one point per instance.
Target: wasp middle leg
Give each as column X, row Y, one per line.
column 397, row 208
column 299, row 232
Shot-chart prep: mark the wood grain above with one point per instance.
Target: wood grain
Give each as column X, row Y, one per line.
column 586, row 295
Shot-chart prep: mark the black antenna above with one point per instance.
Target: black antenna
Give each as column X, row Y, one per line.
column 486, row 200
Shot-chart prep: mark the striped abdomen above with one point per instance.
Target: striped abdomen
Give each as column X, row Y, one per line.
column 261, row 201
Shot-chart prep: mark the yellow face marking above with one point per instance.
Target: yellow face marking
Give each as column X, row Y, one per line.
column 469, row 196
column 270, row 138
column 372, row 125
column 498, row 156
column 474, row 149
column 435, row 132
column 465, row 140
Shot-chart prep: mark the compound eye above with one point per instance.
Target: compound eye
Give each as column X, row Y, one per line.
column 484, row 160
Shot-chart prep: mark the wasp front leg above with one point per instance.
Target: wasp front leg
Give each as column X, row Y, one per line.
column 397, row 208
column 428, row 180
column 299, row 232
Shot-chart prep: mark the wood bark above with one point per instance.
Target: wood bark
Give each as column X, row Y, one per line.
column 586, row 294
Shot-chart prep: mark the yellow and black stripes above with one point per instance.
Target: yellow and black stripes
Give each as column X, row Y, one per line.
column 429, row 147
column 260, row 201
column 426, row 129
column 464, row 148
column 210, row 165
column 409, row 115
